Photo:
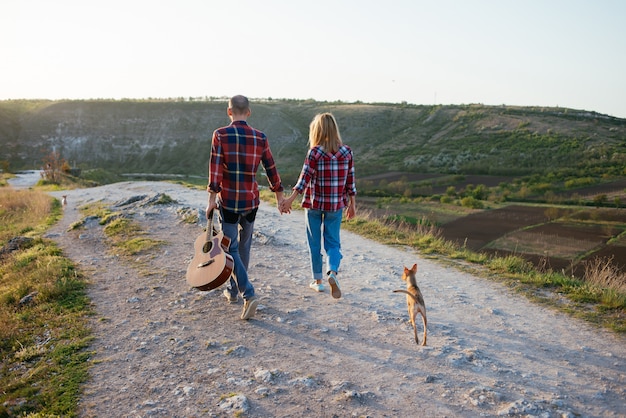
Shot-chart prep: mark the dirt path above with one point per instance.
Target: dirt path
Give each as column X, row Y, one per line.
column 164, row 349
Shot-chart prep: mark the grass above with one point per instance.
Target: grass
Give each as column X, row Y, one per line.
column 17, row 206
column 125, row 236
column 65, row 182
column 602, row 272
column 44, row 311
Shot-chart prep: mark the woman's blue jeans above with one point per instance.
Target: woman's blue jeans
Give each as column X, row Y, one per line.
column 327, row 225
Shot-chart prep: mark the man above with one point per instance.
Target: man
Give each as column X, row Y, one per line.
column 237, row 150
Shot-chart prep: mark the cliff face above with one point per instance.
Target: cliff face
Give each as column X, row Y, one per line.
column 159, row 137
column 173, row 137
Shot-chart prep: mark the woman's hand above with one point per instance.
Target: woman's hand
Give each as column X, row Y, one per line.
column 351, row 208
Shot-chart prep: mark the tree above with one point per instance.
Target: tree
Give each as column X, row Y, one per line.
column 600, row 200
column 52, row 167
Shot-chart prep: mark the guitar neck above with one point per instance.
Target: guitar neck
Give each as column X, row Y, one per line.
column 209, row 227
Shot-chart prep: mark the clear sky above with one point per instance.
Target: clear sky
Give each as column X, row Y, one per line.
column 569, row 53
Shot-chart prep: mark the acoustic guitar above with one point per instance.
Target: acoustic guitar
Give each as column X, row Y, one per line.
column 211, row 266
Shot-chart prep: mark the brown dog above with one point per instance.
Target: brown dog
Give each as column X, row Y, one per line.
column 414, row 300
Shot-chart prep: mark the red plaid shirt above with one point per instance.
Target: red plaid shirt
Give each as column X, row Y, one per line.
column 327, row 179
column 237, row 150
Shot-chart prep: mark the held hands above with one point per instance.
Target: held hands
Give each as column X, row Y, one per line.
column 284, row 205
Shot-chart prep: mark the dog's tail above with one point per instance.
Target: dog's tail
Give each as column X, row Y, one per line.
column 408, row 293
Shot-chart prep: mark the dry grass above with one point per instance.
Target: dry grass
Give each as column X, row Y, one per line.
column 22, row 210
column 601, row 271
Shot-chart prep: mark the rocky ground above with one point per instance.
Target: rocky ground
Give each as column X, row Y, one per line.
column 165, row 349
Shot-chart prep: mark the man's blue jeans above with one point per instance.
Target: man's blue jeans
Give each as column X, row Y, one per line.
column 240, row 243
column 327, row 224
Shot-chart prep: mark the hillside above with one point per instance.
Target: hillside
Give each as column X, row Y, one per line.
column 173, row 136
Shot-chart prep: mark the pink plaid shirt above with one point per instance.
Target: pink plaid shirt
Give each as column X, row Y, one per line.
column 327, row 179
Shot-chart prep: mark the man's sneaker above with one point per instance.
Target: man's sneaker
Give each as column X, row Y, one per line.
column 249, row 308
column 334, row 286
column 318, row 287
column 229, row 296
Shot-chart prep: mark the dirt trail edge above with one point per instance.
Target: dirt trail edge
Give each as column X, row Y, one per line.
column 165, row 349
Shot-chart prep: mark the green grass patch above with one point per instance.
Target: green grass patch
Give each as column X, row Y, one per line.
column 124, row 235
column 100, row 176
column 117, row 226
column 164, row 199
column 135, row 246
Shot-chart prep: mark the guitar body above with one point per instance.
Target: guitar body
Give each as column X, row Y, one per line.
column 211, row 266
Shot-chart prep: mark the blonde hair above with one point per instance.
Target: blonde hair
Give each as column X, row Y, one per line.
column 324, row 131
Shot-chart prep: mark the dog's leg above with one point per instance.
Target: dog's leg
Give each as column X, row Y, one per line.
column 413, row 316
column 424, row 321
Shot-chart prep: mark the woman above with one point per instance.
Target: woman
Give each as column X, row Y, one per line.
column 328, row 183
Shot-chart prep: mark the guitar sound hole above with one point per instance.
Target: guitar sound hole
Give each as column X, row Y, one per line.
column 207, row 246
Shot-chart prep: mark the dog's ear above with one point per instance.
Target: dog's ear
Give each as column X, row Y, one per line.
column 414, row 268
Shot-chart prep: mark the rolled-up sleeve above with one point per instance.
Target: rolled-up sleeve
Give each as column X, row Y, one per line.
column 215, row 164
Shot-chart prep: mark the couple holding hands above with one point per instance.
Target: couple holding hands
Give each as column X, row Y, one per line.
column 326, row 183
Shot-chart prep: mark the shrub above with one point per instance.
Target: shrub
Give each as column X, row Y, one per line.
column 580, row 182
column 470, row 202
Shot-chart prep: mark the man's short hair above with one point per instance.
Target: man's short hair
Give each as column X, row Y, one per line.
column 239, row 104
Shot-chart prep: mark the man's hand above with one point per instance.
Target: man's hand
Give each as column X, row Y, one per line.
column 210, row 206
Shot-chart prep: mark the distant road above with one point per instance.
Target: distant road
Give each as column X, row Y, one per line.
column 25, row 179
